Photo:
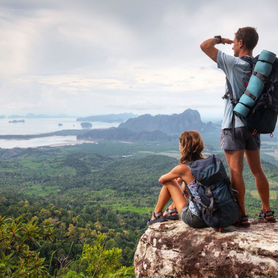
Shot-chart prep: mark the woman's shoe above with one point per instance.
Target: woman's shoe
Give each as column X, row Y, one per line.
column 157, row 218
column 171, row 214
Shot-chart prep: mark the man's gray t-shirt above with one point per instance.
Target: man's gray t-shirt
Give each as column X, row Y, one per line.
column 238, row 73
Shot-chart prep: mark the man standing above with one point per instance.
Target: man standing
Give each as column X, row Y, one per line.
column 236, row 139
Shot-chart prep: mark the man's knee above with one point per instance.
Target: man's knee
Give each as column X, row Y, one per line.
column 258, row 172
column 236, row 173
column 235, row 161
column 256, row 169
column 236, row 170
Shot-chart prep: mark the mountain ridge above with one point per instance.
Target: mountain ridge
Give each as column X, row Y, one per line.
column 169, row 124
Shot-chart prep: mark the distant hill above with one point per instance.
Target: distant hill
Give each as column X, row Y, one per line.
column 152, row 128
column 169, row 124
column 159, row 128
column 124, row 134
column 109, row 118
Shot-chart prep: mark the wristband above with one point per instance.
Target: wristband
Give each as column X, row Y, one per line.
column 218, row 38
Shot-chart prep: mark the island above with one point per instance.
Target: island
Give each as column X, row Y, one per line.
column 16, row 121
column 86, row 125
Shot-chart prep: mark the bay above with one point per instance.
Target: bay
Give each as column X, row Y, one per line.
column 43, row 125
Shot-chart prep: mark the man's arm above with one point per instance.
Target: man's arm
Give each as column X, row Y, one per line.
column 209, row 48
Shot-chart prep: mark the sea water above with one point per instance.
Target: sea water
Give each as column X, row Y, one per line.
column 40, row 126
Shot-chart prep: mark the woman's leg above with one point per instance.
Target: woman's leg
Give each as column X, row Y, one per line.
column 171, row 190
column 172, row 206
column 176, row 195
column 163, row 199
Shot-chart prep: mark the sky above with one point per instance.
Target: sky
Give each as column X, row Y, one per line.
column 141, row 56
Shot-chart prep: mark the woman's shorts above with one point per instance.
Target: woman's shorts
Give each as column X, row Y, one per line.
column 191, row 219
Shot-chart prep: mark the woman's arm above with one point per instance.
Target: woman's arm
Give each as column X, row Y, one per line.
column 176, row 172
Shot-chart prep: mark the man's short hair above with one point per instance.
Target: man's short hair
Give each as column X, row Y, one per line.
column 248, row 36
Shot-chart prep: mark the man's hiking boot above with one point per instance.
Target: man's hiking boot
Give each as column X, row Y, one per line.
column 267, row 216
column 171, row 214
column 243, row 222
column 157, row 218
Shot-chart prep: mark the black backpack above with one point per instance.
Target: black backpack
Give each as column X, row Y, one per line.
column 216, row 197
column 263, row 115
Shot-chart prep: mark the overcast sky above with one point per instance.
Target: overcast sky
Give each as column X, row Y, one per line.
column 141, row 56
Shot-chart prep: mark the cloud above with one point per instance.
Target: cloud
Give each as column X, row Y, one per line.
column 139, row 56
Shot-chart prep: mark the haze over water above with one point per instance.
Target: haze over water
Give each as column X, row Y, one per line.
column 39, row 126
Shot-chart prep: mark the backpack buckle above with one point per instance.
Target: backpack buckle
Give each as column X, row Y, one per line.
column 208, row 192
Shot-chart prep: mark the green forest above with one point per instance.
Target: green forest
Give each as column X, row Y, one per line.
column 79, row 211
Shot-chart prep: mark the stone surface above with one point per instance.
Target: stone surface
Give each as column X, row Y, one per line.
column 172, row 249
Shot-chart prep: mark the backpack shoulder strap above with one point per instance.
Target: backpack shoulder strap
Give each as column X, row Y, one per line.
column 229, row 94
column 250, row 60
column 208, row 193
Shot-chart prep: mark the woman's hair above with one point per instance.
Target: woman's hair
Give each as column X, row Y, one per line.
column 191, row 146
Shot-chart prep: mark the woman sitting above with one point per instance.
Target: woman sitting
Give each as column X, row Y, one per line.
column 199, row 188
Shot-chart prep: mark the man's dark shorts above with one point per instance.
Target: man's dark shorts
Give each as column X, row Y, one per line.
column 242, row 139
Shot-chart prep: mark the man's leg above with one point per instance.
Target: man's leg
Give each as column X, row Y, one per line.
column 254, row 161
column 235, row 162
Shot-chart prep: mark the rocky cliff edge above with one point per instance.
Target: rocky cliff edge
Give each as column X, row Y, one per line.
column 172, row 249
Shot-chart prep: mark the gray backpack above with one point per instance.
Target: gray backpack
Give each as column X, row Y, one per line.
column 217, row 199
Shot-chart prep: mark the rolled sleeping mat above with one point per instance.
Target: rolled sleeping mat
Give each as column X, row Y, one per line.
column 255, row 86
column 268, row 56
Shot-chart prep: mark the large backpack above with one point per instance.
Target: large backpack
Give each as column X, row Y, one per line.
column 216, row 197
column 262, row 116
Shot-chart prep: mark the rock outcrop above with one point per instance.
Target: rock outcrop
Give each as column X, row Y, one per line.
column 169, row 124
column 172, row 249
